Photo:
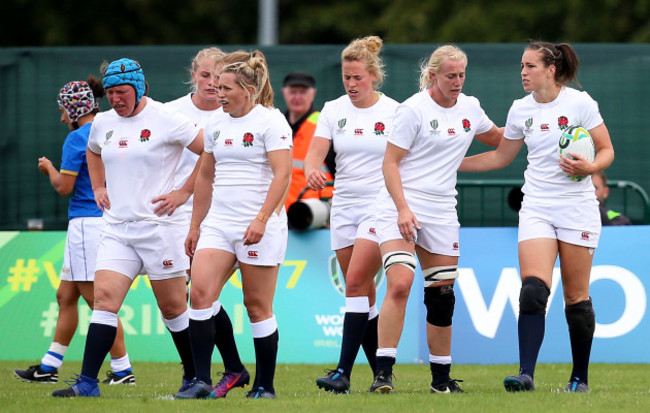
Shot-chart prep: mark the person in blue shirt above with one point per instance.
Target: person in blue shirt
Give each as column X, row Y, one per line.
column 78, row 105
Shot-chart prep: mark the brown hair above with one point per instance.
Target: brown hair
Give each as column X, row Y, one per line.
column 562, row 56
column 366, row 50
column 251, row 69
column 97, row 87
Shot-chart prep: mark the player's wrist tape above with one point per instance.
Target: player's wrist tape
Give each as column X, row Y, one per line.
column 195, row 225
column 262, row 217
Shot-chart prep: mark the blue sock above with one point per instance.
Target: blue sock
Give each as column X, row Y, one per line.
column 47, row 369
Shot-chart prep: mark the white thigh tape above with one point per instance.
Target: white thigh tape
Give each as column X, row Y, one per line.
column 441, row 273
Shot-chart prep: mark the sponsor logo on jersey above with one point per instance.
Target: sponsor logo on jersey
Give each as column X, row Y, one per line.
column 283, row 137
column 253, row 254
column 358, row 132
column 451, row 132
column 585, row 236
column 544, row 127
column 341, row 124
column 563, row 122
column 168, row 263
column 124, row 143
column 528, row 127
column 434, row 125
column 248, row 139
column 379, row 128
column 109, row 134
column 372, row 231
column 228, row 142
column 215, row 136
column 466, row 125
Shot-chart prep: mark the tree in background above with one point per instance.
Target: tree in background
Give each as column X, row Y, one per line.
column 167, row 22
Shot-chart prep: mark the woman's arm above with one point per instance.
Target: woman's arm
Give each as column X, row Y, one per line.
column 406, row 220
column 63, row 184
column 281, row 162
column 491, row 137
column 316, row 154
column 496, row 159
column 202, row 199
column 169, row 202
column 98, row 179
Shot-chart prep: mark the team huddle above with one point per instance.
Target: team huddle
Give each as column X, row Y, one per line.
column 195, row 189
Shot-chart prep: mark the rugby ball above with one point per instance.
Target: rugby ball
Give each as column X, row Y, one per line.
column 576, row 139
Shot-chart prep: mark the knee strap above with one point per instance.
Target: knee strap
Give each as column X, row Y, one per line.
column 440, row 302
column 404, row 258
column 581, row 319
column 441, row 273
column 533, row 296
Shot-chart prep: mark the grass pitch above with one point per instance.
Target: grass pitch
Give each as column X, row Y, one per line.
column 614, row 387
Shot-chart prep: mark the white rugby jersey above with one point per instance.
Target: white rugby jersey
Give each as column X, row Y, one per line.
column 240, row 147
column 140, row 155
column 188, row 160
column 436, row 139
column 359, row 137
column 541, row 125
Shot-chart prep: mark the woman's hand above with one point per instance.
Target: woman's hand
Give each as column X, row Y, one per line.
column 169, row 202
column 191, row 241
column 408, row 225
column 254, row 232
column 578, row 167
column 101, row 198
column 316, row 180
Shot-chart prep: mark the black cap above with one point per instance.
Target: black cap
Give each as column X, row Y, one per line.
column 299, row 79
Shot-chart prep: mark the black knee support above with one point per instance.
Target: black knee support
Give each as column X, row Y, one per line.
column 533, row 296
column 440, row 302
column 581, row 319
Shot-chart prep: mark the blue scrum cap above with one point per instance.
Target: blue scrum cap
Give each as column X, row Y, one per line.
column 125, row 72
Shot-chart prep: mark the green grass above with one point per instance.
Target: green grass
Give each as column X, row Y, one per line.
column 615, row 387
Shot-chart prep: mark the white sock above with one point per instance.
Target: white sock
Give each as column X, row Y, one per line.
column 387, row 352
column 439, row 359
column 54, row 356
column 121, row 364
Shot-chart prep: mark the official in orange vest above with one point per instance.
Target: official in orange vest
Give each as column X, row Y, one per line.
column 299, row 91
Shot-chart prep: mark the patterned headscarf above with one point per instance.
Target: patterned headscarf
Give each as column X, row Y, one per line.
column 77, row 99
column 125, row 72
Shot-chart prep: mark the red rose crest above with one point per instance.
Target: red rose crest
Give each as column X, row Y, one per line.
column 379, row 128
column 466, row 125
column 248, row 139
column 145, row 134
column 563, row 122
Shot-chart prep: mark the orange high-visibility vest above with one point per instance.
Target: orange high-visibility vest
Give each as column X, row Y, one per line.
column 301, row 142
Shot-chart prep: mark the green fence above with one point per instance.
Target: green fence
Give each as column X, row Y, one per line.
column 615, row 75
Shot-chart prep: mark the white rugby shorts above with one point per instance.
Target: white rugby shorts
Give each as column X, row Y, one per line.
column 229, row 236
column 577, row 223
column 81, row 243
column 144, row 247
column 439, row 227
column 350, row 223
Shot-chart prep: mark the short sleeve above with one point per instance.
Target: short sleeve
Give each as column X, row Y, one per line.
column 278, row 134
column 323, row 127
column 406, row 127
column 74, row 153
